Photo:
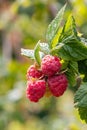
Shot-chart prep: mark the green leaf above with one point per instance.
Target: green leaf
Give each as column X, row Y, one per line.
column 83, row 69
column 69, row 31
column 28, row 53
column 72, row 72
column 83, row 113
column 56, row 38
column 37, row 53
column 74, row 66
column 64, row 64
column 81, row 96
column 41, row 48
column 80, row 100
column 55, row 50
column 73, row 50
column 84, row 41
column 54, row 26
column 71, row 77
column 44, row 47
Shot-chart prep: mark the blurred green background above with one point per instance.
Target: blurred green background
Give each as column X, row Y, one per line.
column 22, row 24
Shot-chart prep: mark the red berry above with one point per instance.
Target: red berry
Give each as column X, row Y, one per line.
column 50, row 65
column 33, row 72
column 57, row 84
column 35, row 90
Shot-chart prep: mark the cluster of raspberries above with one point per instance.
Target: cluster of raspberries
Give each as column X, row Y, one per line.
column 46, row 80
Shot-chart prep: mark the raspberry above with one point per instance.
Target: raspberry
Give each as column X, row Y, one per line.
column 35, row 90
column 50, row 65
column 57, row 84
column 33, row 72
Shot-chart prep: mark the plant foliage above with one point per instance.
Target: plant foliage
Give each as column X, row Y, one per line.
column 63, row 41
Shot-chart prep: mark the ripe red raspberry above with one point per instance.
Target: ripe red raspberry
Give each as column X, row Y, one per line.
column 57, row 84
column 50, row 65
column 35, row 90
column 33, row 72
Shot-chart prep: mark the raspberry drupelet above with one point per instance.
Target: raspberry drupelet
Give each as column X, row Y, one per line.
column 50, row 65
column 57, row 84
column 35, row 90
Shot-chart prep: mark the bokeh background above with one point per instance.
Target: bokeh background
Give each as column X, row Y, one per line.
column 22, row 24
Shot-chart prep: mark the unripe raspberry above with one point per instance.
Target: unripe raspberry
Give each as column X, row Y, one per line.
column 35, row 90
column 50, row 65
column 48, row 92
column 33, row 72
column 57, row 84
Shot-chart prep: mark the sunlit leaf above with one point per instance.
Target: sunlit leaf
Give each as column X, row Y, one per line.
column 54, row 26
column 37, row 53
column 44, row 47
column 27, row 52
column 69, row 31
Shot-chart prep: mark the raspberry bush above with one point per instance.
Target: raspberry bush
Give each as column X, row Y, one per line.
column 59, row 63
